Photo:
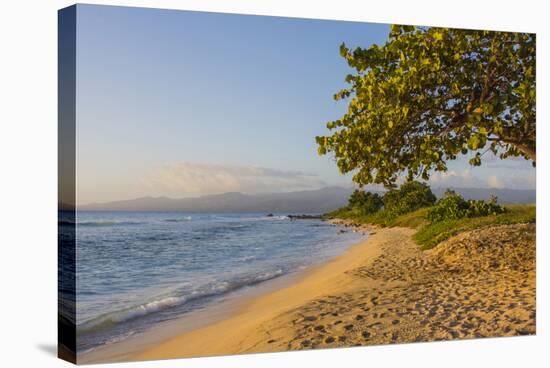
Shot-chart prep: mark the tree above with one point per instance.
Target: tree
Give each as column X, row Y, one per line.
column 429, row 95
column 367, row 202
column 357, row 198
column 411, row 196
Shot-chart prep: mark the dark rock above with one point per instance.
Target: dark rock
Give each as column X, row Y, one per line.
column 304, row 217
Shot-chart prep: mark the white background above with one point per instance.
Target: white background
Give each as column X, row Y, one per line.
column 28, row 180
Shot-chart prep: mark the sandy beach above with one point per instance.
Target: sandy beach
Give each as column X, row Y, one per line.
column 383, row 290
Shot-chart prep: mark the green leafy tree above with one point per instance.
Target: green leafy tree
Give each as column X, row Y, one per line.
column 366, row 202
column 429, row 95
column 356, row 198
column 411, row 196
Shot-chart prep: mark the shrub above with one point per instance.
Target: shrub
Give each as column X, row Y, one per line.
column 365, row 202
column 356, row 198
column 453, row 207
column 482, row 208
column 409, row 197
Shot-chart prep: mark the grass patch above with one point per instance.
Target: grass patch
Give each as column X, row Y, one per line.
column 431, row 234
column 415, row 219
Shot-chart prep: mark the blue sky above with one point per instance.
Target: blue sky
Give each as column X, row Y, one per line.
column 183, row 104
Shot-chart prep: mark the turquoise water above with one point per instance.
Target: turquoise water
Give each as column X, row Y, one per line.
column 135, row 270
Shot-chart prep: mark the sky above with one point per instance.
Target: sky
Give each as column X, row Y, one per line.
column 182, row 104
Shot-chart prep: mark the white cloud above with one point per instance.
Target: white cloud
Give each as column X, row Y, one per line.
column 467, row 179
column 494, row 182
column 451, row 178
column 184, row 179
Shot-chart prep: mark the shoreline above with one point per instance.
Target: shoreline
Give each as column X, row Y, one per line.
column 383, row 290
column 232, row 305
column 247, row 325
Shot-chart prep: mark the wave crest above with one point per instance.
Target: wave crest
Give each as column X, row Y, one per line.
column 166, row 302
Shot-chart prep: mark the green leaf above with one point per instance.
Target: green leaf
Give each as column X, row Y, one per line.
column 473, row 142
column 438, row 36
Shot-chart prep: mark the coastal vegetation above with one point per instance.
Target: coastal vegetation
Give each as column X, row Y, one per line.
column 453, row 207
column 409, row 197
column 434, row 221
column 365, row 202
column 431, row 234
column 384, row 209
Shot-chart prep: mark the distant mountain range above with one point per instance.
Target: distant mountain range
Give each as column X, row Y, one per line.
column 505, row 196
column 310, row 201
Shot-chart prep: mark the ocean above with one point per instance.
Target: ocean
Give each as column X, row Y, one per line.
column 137, row 269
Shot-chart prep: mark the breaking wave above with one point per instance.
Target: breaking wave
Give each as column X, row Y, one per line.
column 165, row 302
